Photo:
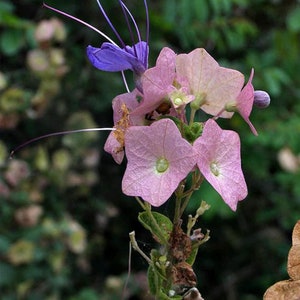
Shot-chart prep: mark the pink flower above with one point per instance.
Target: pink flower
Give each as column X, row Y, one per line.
column 161, row 84
column 213, row 86
column 158, row 159
column 219, row 161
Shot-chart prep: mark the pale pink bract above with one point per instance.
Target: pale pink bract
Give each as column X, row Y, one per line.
column 157, row 81
column 219, row 160
column 122, row 106
column 244, row 102
column 144, row 146
column 214, row 85
column 161, row 84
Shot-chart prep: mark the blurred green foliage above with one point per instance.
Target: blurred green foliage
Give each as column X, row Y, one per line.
column 64, row 222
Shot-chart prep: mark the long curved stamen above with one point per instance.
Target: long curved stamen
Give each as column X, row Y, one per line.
column 91, row 27
column 111, row 25
column 125, row 8
column 82, row 22
column 145, row 62
column 147, row 28
column 56, row 134
column 125, row 82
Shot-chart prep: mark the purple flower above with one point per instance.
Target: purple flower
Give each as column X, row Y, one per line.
column 111, row 57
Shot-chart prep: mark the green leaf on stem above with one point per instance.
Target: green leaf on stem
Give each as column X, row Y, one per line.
column 159, row 225
column 154, row 281
column 195, row 246
column 191, row 259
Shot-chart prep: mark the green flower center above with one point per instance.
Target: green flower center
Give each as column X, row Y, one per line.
column 161, row 165
column 178, row 101
column 231, row 106
column 215, row 169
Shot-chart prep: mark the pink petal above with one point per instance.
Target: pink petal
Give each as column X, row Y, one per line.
column 113, row 147
column 122, row 105
column 245, row 102
column 131, row 102
column 143, row 146
column 217, row 85
column 222, row 147
column 156, row 81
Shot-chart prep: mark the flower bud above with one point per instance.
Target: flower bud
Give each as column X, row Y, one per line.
column 198, row 101
column 197, row 235
column 203, row 207
column 261, row 99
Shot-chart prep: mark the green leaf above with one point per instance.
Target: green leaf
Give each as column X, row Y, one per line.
column 170, row 11
column 4, row 244
column 216, row 7
column 185, row 6
column 9, row 272
column 191, row 259
column 163, row 296
column 86, row 294
column 11, row 41
column 6, row 7
column 161, row 230
column 154, row 281
column 293, row 20
column 201, row 11
column 227, row 6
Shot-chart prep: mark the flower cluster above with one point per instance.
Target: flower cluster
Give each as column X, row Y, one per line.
column 155, row 124
column 169, row 146
column 163, row 144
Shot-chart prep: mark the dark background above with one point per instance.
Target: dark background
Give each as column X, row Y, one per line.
column 64, row 222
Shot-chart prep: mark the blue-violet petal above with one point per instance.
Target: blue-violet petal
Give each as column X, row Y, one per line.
column 112, row 58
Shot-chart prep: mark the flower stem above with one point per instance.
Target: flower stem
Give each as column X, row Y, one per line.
column 179, row 196
column 140, row 203
column 192, row 116
column 183, row 197
column 147, row 208
column 186, row 202
column 136, row 247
